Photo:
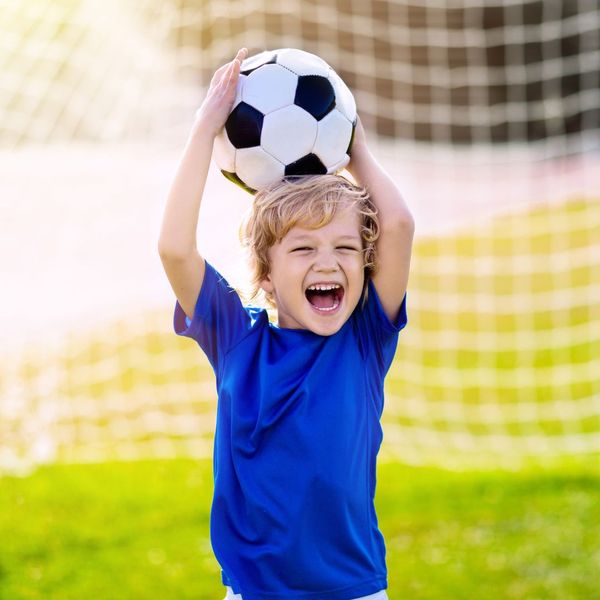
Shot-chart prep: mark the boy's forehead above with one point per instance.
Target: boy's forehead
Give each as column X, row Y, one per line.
column 307, row 234
column 341, row 233
column 345, row 223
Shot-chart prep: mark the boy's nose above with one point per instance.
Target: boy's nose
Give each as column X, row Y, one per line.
column 326, row 262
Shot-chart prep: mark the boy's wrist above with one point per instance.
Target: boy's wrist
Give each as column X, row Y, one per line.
column 360, row 157
column 203, row 127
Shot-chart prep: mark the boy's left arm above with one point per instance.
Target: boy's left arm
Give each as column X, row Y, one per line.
column 396, row 223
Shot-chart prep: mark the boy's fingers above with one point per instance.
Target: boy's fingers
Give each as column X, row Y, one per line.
column 222, row 73
column 227, row 72
column 233, row 72
column 226, row 82
column 241, row 54
column 216, row 78
column 224, row 67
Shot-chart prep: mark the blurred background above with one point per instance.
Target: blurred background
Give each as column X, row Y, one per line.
column 487, row 114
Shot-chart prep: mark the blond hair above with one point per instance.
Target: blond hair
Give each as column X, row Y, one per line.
column 309, row 201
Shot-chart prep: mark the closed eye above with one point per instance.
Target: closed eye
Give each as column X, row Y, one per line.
column 352, row 248
column 301, row 249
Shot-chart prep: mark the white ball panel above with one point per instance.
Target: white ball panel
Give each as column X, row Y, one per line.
column 289, row 133
column 301, row 62
column 333, row 136
column 269, row 88
column 258, row 169
column 344, row 98
column 224, row 152
column 338, row 166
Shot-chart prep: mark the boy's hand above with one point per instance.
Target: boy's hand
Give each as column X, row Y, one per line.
column 214, row 110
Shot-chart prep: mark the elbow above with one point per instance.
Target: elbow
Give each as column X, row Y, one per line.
column 402, row 223
column 163, row 250
column 407, row 222
column 170, row 253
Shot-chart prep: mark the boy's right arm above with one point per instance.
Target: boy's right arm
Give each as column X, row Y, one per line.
column 181, row 260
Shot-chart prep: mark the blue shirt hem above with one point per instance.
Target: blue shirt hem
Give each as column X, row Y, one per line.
column 346, row 593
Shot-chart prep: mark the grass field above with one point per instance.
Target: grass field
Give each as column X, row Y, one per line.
column 140, row 530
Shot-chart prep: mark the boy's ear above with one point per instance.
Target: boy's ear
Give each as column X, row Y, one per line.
column 266, row 285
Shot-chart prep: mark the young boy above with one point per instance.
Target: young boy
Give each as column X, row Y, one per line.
column 299, row 400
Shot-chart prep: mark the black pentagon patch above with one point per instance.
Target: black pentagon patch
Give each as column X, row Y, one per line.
column 308, row 165
column 244, row 125
column 255, row 62
column 315, row 95
column 236, row 179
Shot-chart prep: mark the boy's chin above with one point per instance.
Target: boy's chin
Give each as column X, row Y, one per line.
column 327, row 328
column 324, row 331
column 328, row 323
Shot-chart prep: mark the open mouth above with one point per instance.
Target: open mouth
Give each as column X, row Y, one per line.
column 325, row 297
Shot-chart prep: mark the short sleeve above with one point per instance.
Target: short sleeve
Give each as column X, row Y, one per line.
column 377, row 333
column 219, row 320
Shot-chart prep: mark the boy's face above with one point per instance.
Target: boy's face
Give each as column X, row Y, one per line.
column 317, row 275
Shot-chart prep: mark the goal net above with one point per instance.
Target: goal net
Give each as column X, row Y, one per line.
column 487, row 113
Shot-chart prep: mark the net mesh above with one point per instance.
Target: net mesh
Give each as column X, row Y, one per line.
column 487, row 114
column 452, row 73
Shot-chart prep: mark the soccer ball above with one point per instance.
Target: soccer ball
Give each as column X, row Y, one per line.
column 292, row 115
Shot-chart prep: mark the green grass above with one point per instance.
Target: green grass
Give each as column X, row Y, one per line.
column 140, row 530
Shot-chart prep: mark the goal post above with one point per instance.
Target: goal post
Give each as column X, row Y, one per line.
column 486, row 112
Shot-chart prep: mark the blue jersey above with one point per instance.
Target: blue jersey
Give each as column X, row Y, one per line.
column 297, row 436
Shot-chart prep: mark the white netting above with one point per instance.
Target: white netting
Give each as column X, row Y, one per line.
column 452, row 73
column 488, row 115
